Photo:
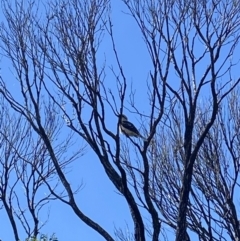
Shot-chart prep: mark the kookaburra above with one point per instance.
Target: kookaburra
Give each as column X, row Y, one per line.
column 127, row 128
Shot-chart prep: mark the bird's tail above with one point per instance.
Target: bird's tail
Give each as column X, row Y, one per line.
column 145, row 139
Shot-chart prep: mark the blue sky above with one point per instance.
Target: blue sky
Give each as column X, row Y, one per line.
column 98, row 198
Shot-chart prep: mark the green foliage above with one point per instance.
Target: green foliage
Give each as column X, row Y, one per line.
column 43, row 237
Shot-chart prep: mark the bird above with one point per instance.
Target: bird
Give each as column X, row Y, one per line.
column 127, row 128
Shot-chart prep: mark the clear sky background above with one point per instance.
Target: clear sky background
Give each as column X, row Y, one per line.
column 98, row 198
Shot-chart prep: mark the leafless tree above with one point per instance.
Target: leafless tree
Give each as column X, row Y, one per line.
column 180, row 179
column 25, row 167
column 180, row 28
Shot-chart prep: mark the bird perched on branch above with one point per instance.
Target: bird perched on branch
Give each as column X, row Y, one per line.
column 127, row 128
